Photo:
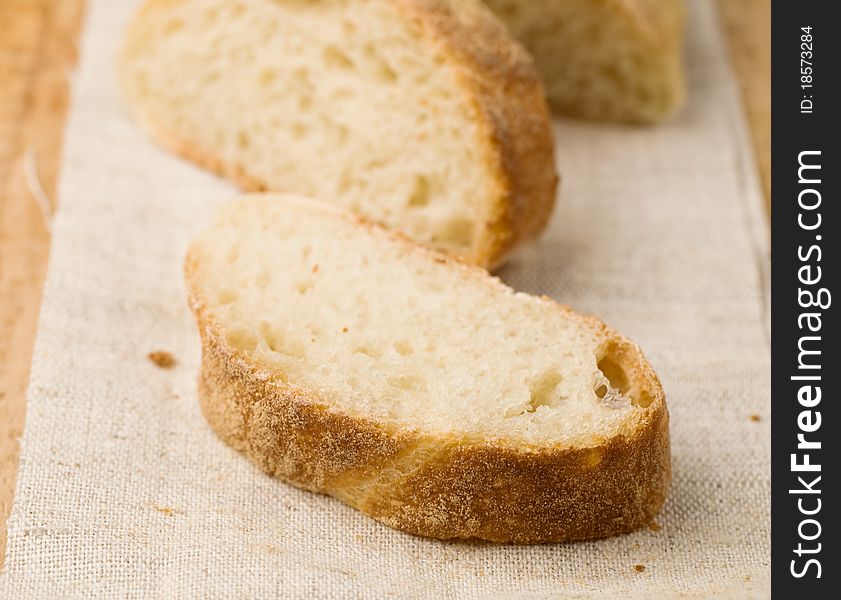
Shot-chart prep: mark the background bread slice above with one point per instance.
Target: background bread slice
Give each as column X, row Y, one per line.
column 422, row 391
column 604, row 59
column 422, row 115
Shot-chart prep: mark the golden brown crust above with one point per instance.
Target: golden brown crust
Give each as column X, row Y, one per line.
column 508, row 94
column 443, row 486
column 500, row 82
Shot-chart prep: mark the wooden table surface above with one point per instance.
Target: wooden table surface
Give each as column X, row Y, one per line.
column 37, row 54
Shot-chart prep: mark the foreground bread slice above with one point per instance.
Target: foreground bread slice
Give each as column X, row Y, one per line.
column 423, row 115
column 422, row 391
column 604, row 59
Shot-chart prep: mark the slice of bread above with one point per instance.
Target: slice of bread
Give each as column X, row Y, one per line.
column 422, row 115
column 617, row 60
column 347, row 360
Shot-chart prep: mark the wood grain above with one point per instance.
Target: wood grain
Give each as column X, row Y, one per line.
column 748, row 27
column 37, row 50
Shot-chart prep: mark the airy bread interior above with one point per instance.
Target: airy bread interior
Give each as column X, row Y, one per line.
column 370, row 324
column 343, row 100
column 603, row 59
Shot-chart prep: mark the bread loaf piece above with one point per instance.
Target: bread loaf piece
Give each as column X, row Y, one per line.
column 346, row 360
column 422, row 115
column 618, row 60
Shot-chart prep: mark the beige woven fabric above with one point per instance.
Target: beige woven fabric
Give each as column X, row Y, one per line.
column 124, row 492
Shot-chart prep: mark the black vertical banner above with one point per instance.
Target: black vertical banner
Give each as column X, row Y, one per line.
column 806, row 447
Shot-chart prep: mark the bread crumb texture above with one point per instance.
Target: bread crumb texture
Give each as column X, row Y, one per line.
column 418, row 389
column 424, row 116
column 617, row 60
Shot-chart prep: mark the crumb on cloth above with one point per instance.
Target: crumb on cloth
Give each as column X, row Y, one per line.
column 639, row 568
column 755, row 418
column 162, row 359
column 166, row 510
